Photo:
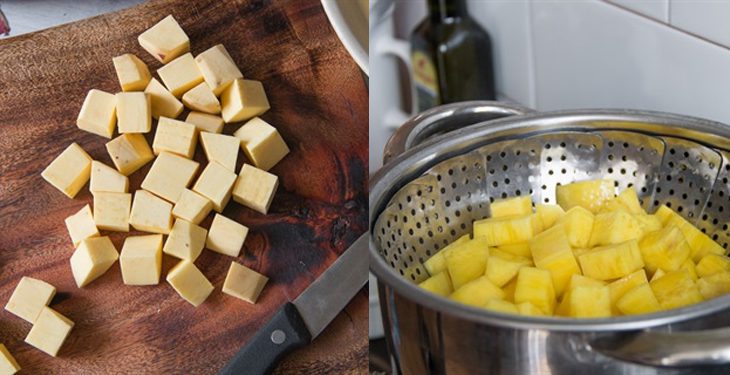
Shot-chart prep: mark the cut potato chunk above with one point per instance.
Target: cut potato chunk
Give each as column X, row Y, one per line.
column 8, row 364
column 711, row 264
column 676, row 289
column 477, row 292
column 714, row 285
column 612, row 262
column 218, row 68
column 549, row 242
column 201, row 98
column 501, row 306
column 169, row 176
column 29, row 298
column 439, row 283
column 528, row 309
column 640, row 300
column 180, row 75
column 107, row 179
column 186, row 240
column 165, row 40
column 578, row 226
column 505, row 230
column 549, row 214
column 535, row 286
column 519, row 249
column 175, row 136
column 590, row 302
column 205, row 122
column 111, row 211
column 134, row 112
column 699, row 243
column 189, row 282
column 129, row 152
column 591, row 195
column 242, row 100
column 164, row 104
column 150, row 213
column 261, row 143
column 216, row 184
column 192, row 207
column 92, row 258
column 244, row 283
column 98, row 114
column 562, row 265
column 615, row 227
column 221, row 148
column 49, row 331
column 619, row 287
column 81, row 225
column 511, row 207
column 132, row 72
column 467, row 262
column 501, row 270
column 576, row 280
column 627, row 201
column 255, row 188
column 437, row 262
column 69, row 171
column 141, row 260
column 665, row 249
column 226, row 236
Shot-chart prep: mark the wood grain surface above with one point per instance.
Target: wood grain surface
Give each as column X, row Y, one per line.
column 319, row 104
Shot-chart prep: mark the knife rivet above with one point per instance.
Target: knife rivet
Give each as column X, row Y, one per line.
column 278, row 336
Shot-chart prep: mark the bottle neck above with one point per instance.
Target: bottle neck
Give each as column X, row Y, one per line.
column 447, row 10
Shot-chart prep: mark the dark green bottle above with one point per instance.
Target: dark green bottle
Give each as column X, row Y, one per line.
column 451, row 57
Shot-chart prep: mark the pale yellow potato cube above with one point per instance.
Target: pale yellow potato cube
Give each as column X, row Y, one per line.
column 221, row 148
column 255, row 188
column 205, row 122
column 180, row 75
column 150, row 213
column 134, row 112
column 244, row 283
column 92, row 258
column 165, row 40
column 69, row 171
column 129, row 152
column 132, row 72
column 243, row 99
column 98, row 113
column 141, row 260
column 29, row 298
column 49, row 331
column 8, row 364
column 200, row 98
column 189, row 282
column 81, row 225
column 261, row 143
column 175, row 136
column 169, row 176
column 218, row 68
column 164, row 104
column 186, row 240
column 226, row 236
column 108, row 179
column 111, row 211
column 216, row 183
column 192, row 207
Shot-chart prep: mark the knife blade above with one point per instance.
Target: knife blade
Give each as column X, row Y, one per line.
column 297, row 323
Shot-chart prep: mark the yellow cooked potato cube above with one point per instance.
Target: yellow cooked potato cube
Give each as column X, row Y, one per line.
column 649, row 223
column 590, row 302
column 437, row 262
column 189, row 282
column 186, row 240
column 505, row 230
column 165, row 40
column 221, row 148
column 49, row 331
column 627, row 201
column 659, row 273
column 615, row 227
column 141, row 260
column 562, row 265
column 129, row 152
column 107, row 179
column 255, row 188
column 711, row 264
column 192, row 207
column 175, row 136
column 699, row 243
column 98, row 113
column 205, row 122
column 200, row 98
column 591, row 195
column 509, row 290
column 665, row 249
column 549, row 214
column 640, row 300
column 261, row 143
column 8, row 364
column 134, row 112
column 150, row 213
column 500, row 270
column 242, row 100
column 92, row 258
column 132, row 72
column 216, row 184
column 549, row 242
column 511, row 207
column 576, row 280
column 81, row 225
column 111, row 211
column 519, row 249
column 578, row 226
column 619, row 287
column 218, row 68
column 535, row 286
column 226, row 236
column 714, row 285
column 439, row 283
column 29, row 298
column 69, row 171
column 477, row 292
column 163, row 103
column 244, row 283
column 467, row 261
column 180, row 75
column 612, row 262
column 689, row 265
column 502, row 306
column 528, row 309
column 676, row 289
column 169, row 176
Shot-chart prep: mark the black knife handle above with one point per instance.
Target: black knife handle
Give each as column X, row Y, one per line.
column 283, row 333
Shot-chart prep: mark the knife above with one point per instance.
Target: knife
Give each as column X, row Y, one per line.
column 297, row 323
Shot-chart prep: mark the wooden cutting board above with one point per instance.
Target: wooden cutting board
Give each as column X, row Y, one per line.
column 319, row 104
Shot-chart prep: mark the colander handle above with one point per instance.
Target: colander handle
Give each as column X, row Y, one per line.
column 445, row 118
column 670, row 349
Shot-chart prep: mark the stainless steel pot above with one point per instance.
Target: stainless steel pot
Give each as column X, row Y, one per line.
column 440, row 175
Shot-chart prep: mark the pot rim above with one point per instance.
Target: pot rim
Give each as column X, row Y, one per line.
column 415, row 161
